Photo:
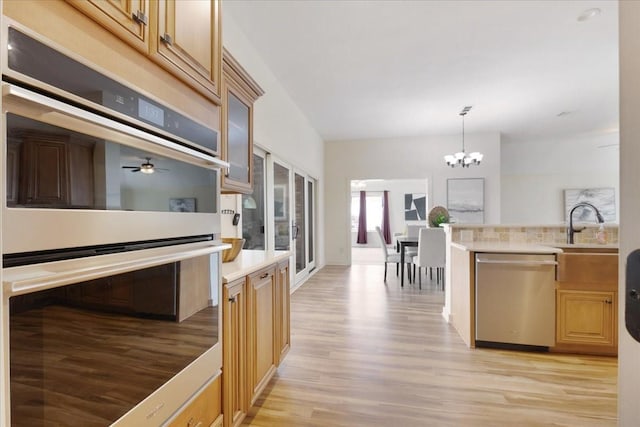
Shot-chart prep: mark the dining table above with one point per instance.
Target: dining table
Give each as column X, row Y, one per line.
column 403, row 242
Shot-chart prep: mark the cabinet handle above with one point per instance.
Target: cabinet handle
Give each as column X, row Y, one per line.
column 264, row 276
column 608, row 301
column 232, row 299
column 140, row 18
column 166, row 38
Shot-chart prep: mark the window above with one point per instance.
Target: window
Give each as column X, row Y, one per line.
column 374, row 210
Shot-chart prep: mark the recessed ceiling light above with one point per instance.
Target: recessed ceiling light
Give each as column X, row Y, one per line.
column 588, row 14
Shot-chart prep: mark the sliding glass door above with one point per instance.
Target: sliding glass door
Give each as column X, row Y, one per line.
column 281, row 206
column 304, row 225
column 294, row 215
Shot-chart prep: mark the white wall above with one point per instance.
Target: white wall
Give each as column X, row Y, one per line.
column 280, row 127
column 404, row 158
column 397, row 189
column 628, row 348
column 535, row 173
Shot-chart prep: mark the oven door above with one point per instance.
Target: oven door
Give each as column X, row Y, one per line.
column 79, row 179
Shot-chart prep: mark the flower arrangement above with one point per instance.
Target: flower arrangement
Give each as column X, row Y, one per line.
column 438, row 215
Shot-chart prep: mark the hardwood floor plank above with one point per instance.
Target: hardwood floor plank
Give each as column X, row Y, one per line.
column 368, row 354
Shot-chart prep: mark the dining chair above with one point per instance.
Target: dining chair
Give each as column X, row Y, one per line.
column 412, row 231
column 391, row 256
column 431, row 253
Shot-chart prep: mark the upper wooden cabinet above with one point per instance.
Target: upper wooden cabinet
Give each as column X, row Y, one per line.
column 128, row 19
column 188, row 41
column 183, row 37
column 239, row 92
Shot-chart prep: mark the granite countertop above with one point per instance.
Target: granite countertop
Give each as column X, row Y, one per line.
column 531, row 248
column 249, row 261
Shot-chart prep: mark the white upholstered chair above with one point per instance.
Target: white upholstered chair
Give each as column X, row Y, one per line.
column 412, row 231
column 390, row 255
column 431, row 253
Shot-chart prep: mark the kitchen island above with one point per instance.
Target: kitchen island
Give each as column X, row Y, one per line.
column 585, row 305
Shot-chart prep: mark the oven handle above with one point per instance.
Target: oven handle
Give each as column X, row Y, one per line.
column 10, row 90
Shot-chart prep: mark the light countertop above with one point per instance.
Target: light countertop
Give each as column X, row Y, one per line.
column 558, row 225
column 530, row 248
column 249, row 261
column 503, row 247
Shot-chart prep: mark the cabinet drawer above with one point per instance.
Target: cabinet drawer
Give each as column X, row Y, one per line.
column 203, row 410
column 584, row 268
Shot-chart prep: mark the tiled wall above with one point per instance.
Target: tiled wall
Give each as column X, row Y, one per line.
column 546, row 234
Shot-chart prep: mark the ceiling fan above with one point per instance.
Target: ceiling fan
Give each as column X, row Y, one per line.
column 146, row 167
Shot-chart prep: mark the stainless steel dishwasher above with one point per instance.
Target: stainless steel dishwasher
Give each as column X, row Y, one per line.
column 515, row 299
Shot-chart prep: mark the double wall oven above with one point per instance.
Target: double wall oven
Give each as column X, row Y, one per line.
column 110, row 244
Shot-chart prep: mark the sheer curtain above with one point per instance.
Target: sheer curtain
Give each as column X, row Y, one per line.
column 362, row 219
column 386, row 228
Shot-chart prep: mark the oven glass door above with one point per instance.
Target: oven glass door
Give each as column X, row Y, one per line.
column 85, row 354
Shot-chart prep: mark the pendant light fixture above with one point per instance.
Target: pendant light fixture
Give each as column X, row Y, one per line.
column 461, row 158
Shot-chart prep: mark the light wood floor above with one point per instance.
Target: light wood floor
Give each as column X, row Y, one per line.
column 368, row 354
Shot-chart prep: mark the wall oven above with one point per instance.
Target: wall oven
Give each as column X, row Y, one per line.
column 110, row 241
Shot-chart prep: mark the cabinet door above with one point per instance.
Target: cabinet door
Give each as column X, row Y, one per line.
column 239, row 92
column 237, row 141
column 234, row 362
column 127, row 19
column 283, row 325
column 44, row 171
column 587, row 317
column 261, row 330
column 188, row 42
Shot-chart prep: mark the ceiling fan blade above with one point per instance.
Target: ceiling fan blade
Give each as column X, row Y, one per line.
column 130, row 167
column 135, row 170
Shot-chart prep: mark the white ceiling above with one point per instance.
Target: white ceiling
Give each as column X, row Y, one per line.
column 382, row 69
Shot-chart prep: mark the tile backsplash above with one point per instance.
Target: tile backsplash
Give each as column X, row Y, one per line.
column 519, row 234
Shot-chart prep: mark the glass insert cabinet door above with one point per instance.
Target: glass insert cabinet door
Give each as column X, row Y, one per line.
column 238, row 142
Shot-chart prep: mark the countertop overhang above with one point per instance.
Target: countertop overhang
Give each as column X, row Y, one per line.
column 249, row 261
column 530, row 248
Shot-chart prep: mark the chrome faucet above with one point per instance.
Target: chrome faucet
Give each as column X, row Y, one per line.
column 570, row 229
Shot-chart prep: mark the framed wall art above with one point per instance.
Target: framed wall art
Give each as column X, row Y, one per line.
column 465, row 200
column 602, row 198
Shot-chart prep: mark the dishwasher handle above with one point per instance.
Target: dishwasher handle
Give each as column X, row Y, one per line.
column 511, row 262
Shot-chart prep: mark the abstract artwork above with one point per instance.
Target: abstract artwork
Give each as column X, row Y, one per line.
column 465, row 200
column 415, row 207
column 602, row 198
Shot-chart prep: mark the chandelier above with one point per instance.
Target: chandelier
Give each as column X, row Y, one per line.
column 461, row 158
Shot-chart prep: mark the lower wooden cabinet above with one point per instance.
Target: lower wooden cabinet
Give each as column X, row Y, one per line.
column 587, row 302
column 283, row 310
column 261, row 332
column 234, row 361
column 587, row 318
column 255, row 336
column 205, row 410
